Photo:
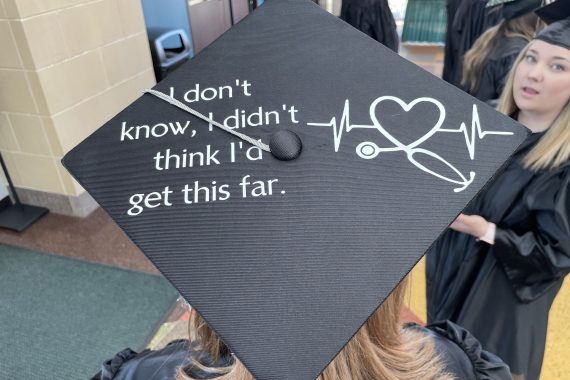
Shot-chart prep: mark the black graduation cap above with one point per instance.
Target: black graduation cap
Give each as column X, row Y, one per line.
column 286, row 254
column 555, row 11
column 557, row 14
column 515, row 8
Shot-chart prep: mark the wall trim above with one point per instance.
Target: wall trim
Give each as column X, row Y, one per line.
column 81, row 205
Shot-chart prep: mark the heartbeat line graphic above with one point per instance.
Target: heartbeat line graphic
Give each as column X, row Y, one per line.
column 369, row 150
column 475, row 129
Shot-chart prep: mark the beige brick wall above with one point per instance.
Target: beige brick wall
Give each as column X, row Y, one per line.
column 67, row 66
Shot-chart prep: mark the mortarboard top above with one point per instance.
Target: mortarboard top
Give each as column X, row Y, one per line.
column 515, row 8
column 285, row 260
column 557, row 15
column 555, row 11
column 493, row 3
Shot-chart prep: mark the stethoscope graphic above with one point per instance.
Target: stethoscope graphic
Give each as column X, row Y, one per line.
column 369, row 150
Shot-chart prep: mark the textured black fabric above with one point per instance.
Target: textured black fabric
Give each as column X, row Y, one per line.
column 161, row 364
column 462, row 353
column 285, row 145
column 555, row 11
column 557, row 33
column 497, row 67
column 451, row 40
column 514, row 9
column 372, row 17
column 502, row 293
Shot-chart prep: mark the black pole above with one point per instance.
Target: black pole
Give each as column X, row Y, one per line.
column 18, row 216
column 10, row 184
column 231, row 12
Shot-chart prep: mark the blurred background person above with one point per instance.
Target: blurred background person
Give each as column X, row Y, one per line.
column 499, row 267
column 374, row 18
column 466, row 21
column 487, row 64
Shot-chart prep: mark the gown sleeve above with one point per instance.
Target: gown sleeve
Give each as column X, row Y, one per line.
column 130, row 365
column 462, row 354
column 535, row 260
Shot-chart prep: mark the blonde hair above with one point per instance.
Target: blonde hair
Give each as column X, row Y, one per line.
column 380, row 350
column 553, row 149
column 476, row 57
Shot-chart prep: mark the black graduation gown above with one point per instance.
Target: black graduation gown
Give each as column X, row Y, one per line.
column 496, row 69
column 450, row 41
column 372, row 17
column 503, row 293
column 470, row 21
column 461, row 353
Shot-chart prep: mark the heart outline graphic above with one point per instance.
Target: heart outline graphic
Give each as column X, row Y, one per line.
column 407, row 107
column 411, row 148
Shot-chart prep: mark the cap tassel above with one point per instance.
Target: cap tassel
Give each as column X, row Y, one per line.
column 184, row 107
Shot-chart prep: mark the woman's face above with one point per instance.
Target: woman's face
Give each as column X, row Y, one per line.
column 542, row 79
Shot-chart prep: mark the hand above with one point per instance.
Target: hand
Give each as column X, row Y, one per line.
column 473, row 225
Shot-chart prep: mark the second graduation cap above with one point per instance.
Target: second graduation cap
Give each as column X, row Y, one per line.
column 555, row 11
column 286, row 257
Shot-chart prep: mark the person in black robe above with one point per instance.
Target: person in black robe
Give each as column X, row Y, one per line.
column 470, row 20
column 496, row 69
column 462, row 353
column 498, row 268
column 487, row 64
column 449, row 57
column 374, row 18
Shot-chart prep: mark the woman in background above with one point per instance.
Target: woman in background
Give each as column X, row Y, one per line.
column 374, row 18
column 498, row 269
column 487, row 64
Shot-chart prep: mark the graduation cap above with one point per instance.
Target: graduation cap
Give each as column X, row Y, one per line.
column 286, row 253
column 557, row 15
column 515, row 8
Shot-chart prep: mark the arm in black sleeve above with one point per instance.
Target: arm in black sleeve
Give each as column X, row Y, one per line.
column 535, row 260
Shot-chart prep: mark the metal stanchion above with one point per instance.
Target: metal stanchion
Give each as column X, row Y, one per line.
column 18, row 216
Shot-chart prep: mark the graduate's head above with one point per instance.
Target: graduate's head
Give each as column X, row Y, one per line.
column 381, row 349
column 538, row 88
column 541, row 79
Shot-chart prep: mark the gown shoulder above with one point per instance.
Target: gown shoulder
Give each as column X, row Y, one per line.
column 462, row 354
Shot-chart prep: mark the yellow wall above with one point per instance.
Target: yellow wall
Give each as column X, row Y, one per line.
column 66, row 67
